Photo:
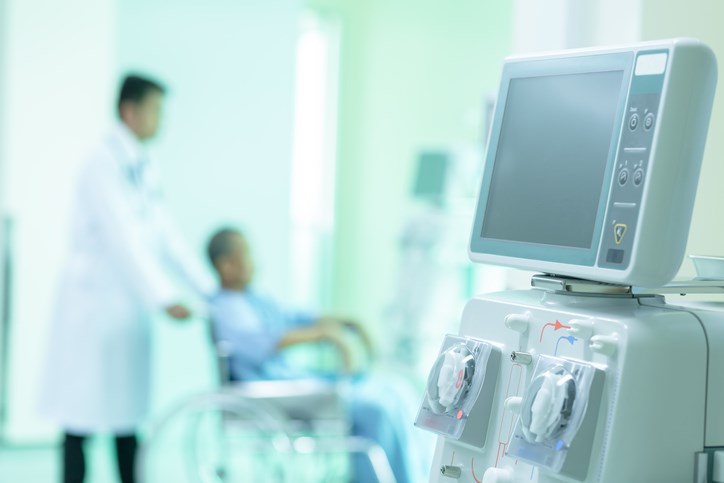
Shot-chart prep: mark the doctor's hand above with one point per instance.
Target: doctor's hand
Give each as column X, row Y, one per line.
column 178, row 312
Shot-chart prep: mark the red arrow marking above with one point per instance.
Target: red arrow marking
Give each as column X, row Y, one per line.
column 556, row 326
column 459, row 382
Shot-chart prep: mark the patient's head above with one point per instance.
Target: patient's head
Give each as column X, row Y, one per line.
column 229, row 253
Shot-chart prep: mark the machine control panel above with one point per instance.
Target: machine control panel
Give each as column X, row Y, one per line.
column 632, row 162
column 460, row 390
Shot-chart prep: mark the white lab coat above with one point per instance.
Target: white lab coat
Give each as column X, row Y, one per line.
column 125, row 259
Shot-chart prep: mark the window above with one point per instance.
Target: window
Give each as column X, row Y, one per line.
column 313, row 160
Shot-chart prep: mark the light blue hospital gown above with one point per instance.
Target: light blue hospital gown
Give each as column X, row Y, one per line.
column 253, row 325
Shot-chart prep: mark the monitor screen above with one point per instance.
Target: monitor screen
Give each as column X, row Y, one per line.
column 551, row 158
column 587, row 174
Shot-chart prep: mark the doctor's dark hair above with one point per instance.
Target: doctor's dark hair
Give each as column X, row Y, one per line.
column 135, row 87
column 220, row 243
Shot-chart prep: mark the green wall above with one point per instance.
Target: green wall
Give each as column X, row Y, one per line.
column 57, row 86
column 225, row 146
column 700, row 19
column 413, row 75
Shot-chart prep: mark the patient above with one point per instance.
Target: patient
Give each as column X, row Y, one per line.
column 258, row 329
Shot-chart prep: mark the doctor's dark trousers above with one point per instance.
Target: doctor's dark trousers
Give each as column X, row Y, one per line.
column 74, row 457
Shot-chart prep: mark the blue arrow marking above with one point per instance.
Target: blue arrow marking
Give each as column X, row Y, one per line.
column 569, row 338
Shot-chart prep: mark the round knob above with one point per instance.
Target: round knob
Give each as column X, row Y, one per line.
column 581, row 328
column 633, row 121
column 513, row 404
column 498, row 475
column 604, row 344
column 649, row 121
column 517, row 322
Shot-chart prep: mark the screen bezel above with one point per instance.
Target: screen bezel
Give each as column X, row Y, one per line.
column 620, row 61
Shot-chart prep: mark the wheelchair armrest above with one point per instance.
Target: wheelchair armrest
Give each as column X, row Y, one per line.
column 299, row 399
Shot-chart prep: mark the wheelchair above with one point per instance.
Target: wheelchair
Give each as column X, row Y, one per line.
column 260, row 431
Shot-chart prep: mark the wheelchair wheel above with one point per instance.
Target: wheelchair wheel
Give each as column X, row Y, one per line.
column 217, row 438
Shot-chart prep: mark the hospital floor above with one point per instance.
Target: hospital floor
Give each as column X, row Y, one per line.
column 41, row 464
column 195, row 447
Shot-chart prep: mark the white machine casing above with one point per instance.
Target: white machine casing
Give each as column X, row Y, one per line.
column 593, row 379
column 662, row 394
column 671, row 176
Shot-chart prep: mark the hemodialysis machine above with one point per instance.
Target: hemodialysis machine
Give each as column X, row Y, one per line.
column 589, row 376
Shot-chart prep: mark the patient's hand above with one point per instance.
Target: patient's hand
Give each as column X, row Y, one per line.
column 363, row 335
column 334, row 335
column 331, row 333
column 354, row 326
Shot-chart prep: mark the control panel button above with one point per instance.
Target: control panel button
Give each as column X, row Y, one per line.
column 614, row 255
column 623, row 177
column 638, row 177
column 649, row 121
column 619, row 231
column 633, row 121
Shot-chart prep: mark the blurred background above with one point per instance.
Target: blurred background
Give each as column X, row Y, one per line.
column 344, row 136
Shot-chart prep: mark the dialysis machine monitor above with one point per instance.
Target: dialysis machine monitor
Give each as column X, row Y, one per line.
column 593, row 161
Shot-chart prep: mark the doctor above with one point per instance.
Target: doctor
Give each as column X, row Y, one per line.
column 124, row 259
